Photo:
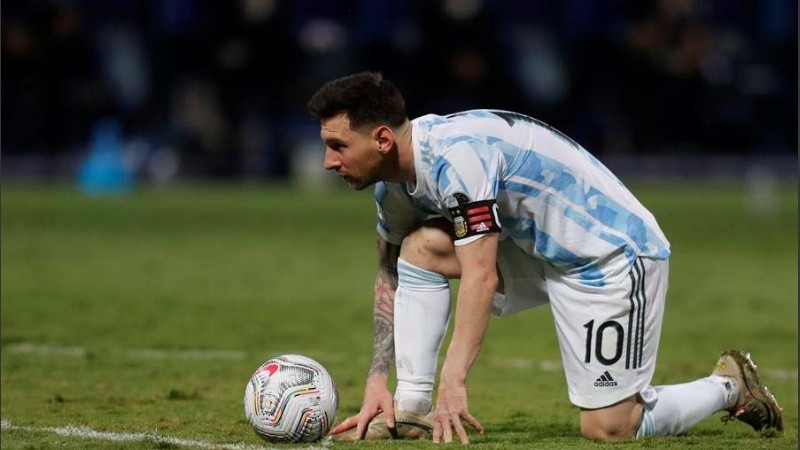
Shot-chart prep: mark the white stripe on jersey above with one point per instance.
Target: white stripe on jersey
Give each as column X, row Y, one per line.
column 470, row 166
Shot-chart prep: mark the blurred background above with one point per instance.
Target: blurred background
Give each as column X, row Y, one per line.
column 125, row 92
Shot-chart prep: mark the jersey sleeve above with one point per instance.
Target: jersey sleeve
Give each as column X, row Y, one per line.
column 468, row 181
column 397, row 214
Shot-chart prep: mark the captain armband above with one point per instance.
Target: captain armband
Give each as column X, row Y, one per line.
column 475, row 218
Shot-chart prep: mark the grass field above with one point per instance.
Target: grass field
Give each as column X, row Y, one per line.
column 134, row 322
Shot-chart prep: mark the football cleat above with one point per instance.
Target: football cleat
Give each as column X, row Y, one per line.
column 408, row 426
column 756, row 406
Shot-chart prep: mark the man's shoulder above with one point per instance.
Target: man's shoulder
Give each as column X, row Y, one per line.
column 510, row 117
column 477, row 122
column 471, row 114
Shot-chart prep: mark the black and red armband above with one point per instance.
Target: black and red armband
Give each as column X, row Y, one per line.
column 474, row 218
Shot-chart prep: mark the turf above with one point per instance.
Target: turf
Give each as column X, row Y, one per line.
column 147, row 312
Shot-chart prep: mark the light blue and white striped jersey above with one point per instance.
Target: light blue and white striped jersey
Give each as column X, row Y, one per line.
column 554, row 199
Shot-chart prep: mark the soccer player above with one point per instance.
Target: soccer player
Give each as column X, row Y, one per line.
column 524, row 216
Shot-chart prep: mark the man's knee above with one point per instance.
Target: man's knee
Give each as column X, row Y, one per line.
column 619, row 421
column 430, row 247
column 606, row 430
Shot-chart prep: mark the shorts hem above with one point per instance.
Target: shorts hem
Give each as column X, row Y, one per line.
column 606, row 401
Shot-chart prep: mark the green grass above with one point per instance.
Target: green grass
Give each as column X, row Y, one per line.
column 256, row 271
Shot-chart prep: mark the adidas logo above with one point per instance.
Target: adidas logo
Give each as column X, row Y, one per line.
column 605, row 380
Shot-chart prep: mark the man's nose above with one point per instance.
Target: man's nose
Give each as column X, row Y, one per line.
column 331, row 160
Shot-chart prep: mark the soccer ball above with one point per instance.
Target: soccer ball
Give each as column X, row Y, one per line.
column 291, row 398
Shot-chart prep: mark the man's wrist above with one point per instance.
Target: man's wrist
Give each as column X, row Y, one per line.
column 380, row 379
column 452, row 375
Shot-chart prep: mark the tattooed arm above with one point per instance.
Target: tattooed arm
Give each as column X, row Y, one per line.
column 383, row 313
column 377, row 397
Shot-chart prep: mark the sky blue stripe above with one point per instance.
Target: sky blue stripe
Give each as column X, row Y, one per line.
column 452, row 140
column 568, row 212
column 552, row 251
column 416, row 277
column 443, row 170
column 549, row 172
column 443, row 165
column 380, row 191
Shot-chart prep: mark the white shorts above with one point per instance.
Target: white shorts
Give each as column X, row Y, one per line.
column 608, row 335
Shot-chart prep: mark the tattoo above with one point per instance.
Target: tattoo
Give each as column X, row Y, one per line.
column 382, row 345
column 383, row 312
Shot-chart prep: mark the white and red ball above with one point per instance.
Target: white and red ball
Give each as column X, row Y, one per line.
column 291, row 398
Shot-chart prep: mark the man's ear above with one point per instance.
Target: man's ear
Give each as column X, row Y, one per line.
column 384, row 137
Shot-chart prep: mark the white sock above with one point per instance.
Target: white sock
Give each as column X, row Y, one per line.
column 679, row 406
column 421, row 312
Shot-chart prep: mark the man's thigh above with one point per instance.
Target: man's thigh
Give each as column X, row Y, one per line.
column 523, row 280
column 430, row 247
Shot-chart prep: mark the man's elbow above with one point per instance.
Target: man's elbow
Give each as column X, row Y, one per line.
column 487, row 280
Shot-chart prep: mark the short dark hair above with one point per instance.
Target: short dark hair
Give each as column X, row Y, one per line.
column 366, row 97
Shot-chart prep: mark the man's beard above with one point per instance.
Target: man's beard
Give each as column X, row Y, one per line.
column 359, row 184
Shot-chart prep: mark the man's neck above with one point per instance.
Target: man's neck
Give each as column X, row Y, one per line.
column 405, row 154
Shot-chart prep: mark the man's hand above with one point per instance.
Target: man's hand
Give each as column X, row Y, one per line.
column 377, row 399
column 451, row 409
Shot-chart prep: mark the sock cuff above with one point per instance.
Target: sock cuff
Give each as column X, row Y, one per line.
column 413, row 277
column 648, row 426
column 730, row 388
column 418, row 402
column 418, row 387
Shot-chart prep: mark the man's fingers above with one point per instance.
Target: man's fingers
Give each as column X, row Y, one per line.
column 447, row 431
column 437, row 431
column 459, row 429
column 444, row 426
column 348, row 423
column 473, row 422
column 361, row 428
column 388, row 412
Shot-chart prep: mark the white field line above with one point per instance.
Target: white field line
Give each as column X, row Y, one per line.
column 88, row 433
column 524, row 363
column 145, row 353
column 231, row 355
column 46, row 349
column 552, row 366
column 780, row 374
column 148, row 353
